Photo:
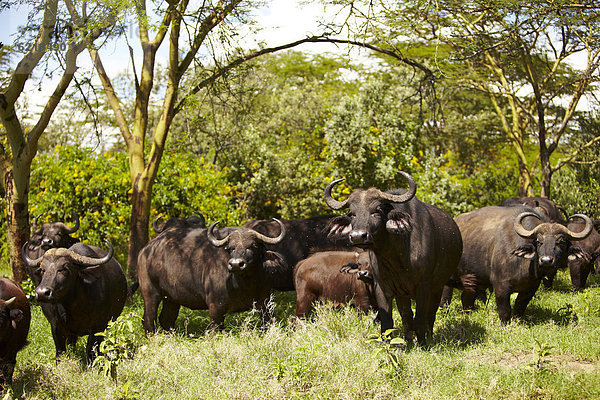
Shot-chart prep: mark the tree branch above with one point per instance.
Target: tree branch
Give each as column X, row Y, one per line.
column 313, row 39
column 561, row 163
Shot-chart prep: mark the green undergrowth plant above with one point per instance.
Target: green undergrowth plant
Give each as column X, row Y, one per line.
column 391, row 348
column 119, row 343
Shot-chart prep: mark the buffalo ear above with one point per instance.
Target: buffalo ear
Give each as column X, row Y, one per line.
column 349, row 268
column 399, row 223
column 577, row 253
column 35, row 274
column 15, row 316
column 273, row 260
column 527, row 251
column 90, row 274
column 338, row 227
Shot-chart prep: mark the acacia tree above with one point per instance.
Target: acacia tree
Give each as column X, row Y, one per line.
column 188, row 30
column 519, row 54
column 20, row 147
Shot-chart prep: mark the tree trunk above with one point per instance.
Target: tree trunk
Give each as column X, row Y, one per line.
column 546, row 181
column 17, row 220
column 525, row 187
column 141, row 199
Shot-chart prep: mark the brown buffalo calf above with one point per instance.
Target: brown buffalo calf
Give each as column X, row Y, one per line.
column 319, row 278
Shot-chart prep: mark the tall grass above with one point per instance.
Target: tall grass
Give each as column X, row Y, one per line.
column 552, row 353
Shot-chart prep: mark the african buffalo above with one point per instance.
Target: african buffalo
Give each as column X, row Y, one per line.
column 195, row 268
column 510, row 249
column 318, row 278
column 417, row 248
column 540, row 204
column 303, row 237
column 49, row 235
column 196, row 221
column 81, row 290
column 15, row 318
column 581, row 267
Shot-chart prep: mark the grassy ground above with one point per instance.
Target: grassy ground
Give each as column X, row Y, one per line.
column 552, row 353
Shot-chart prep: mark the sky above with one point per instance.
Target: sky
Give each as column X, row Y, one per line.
column 282, row 21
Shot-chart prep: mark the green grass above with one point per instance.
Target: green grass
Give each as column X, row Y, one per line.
column 552, row 353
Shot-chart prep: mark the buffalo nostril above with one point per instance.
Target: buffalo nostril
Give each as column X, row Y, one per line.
column 43, row 293
column 236, row 264
column 546, row 260
column 359, row 237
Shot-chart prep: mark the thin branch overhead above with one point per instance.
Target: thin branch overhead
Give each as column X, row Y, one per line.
column 429, row 75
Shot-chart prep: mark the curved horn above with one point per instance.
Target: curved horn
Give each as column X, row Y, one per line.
column 201, row 216
column 85, row 260
column 589, row 225
column 518, row 225
column 402, row 198
column 563, row 211
column 10, row 301
column 35, row 220
column 28, row 261
column 270, row 240
column 73, row 229
column 155, row 224
column 331, row 202
column 211, row 237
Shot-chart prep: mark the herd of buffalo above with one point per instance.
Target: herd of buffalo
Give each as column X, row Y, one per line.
column 388, row 245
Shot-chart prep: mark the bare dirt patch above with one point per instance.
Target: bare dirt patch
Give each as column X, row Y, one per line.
column 514, row 359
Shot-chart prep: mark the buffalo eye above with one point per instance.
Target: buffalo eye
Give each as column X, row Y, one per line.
column 376, row 213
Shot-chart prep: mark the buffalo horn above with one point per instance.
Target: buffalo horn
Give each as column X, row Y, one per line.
column 211, row 237
column 201, row 216
column 270, row 240
column 402, row 198
column 10, row 301
column 35, row 220
column 589, row 225
column 155, row 224
column 28, row 261
column 331, row 202
column 520, row 229
column 84, row 260
column 68, row 230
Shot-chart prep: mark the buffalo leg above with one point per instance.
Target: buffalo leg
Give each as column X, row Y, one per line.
column 71, row 342
column 59, row 341
column 151, row 302
column 548, row 280
column 579, row 271
column 468, row 300
column 217, row 317
column 523, row 299
column 304, row 304
column 266, row 312
column 403, row 303
column 168, row 314
column 7, row 367
column 384, row 309
column 425, row 315
column 503, row 305
column 446, row 298
column 92, row 347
